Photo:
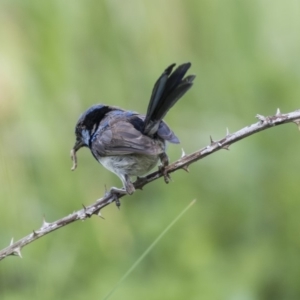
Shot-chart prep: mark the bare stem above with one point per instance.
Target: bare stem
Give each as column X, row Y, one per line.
column 94, row 209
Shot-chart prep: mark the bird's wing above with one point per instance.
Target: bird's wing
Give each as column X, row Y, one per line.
column 120, row 137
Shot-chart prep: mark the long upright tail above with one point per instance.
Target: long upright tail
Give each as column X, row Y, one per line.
column 168, row 89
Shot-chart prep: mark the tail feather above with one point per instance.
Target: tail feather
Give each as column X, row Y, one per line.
column 168, row 89
column 175, row 78
column 157, row 92
column 174, row 96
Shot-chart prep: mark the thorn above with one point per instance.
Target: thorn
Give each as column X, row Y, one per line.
column 11, row 241
column 17, row 252
column 34, row 233
column 263, row 119
column 260, row 118
column 100, row 215
column 227, row 131
column 182, row 153
column 211, row 140
column 45, row 224
column 84, row 207
column 278, row 113
column 297, row 122
column 225, row 147
column 186, row 168
column 105, row 188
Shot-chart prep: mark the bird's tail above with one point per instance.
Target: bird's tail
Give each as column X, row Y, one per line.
column 168, row 89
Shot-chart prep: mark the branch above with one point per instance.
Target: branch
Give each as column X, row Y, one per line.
column 95, row 209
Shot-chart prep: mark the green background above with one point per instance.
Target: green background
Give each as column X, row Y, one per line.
column 241, row 239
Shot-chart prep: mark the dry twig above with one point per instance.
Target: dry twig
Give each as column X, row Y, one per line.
column 94, row 209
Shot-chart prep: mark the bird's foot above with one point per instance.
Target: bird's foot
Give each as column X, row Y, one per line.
column 162, row 168
column 116, row 192
column 163, row 171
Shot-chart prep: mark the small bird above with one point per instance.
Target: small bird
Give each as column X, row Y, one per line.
column 126, row 142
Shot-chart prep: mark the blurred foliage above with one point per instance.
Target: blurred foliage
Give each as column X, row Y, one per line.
column 241, row 240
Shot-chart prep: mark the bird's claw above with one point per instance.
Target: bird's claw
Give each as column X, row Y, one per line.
column 166, row 175
column 115, row 193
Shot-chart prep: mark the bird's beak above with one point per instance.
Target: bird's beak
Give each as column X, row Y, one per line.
column 76, row 147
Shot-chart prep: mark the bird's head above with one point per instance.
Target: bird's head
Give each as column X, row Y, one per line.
column 86, row 126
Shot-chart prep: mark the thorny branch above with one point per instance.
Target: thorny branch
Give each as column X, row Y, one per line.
column 94, row 209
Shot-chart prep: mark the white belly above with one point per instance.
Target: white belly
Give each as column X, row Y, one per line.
column 132, row 165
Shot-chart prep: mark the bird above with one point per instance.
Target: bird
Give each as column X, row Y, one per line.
column 128, row 143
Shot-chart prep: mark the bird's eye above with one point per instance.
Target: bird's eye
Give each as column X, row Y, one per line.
column 78, row 130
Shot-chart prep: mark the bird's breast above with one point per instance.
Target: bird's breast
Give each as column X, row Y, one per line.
column 132, row 164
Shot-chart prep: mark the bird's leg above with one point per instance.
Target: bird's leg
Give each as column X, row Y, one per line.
column 115, row 192
column 128, row 189
column 162, row 168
